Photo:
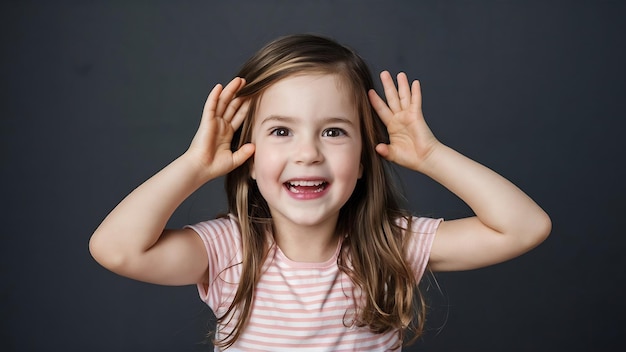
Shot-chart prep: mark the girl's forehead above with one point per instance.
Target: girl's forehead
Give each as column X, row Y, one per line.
column 322, row 93
column 307, row 97
column 323, row 87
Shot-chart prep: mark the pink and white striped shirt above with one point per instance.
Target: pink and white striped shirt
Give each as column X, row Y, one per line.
column 297, row 306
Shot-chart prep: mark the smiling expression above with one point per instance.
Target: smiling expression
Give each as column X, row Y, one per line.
column 308, row 149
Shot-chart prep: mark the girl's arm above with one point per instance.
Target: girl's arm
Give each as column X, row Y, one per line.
column 507, row 223
column 131, row 241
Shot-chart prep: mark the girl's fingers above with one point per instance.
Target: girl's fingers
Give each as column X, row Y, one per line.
column 227, row 95
column 416, row 96
column 240, row 114
column 242, row 154
column 404, row 92
column 208, row 112
column 383, row 150
column 391, row 93
column 380, row 106
column 232, row 108
column 405, row 98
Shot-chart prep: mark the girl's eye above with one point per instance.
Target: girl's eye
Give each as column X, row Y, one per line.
column 280, row 132
column 333, row 132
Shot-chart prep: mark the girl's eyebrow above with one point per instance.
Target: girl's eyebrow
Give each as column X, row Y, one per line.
column 289, row 119
column 277, row 118
column 339, row 119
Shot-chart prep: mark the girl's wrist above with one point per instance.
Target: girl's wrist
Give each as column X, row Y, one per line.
column 429, row 162
column 198, row 173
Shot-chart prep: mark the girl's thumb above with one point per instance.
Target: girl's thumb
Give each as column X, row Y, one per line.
column 242, row 154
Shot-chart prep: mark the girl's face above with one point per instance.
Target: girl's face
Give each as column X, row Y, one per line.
column 308, row 149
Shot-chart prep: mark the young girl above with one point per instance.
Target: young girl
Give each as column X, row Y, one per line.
column 315, row 253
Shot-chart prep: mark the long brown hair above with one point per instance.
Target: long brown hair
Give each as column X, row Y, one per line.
column 372, row 253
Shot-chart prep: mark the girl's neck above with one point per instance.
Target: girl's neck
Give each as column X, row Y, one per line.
column 307, row 244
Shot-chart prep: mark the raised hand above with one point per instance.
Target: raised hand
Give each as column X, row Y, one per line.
column 507, row 222
column 411, row 141
column 221, row 117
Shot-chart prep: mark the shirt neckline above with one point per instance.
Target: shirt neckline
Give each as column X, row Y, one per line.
column 308, row 265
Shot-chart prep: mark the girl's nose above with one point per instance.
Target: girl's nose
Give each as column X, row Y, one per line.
column 308, row 152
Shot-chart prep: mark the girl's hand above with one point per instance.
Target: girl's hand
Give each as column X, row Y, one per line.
column 507, row 222
column 221, row 117
column 411, row 141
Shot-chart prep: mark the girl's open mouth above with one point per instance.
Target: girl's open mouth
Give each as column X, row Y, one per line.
column 301, row 186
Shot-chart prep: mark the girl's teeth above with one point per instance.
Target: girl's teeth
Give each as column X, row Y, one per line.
column 306, row 183
column 306, row 186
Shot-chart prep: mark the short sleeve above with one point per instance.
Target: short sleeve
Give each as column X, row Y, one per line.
column 222, row 241
column 421, row 236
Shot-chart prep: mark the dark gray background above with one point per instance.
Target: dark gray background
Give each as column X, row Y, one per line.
column 99, row 95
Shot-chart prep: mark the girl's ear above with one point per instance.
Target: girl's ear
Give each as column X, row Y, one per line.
column 252, row 172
